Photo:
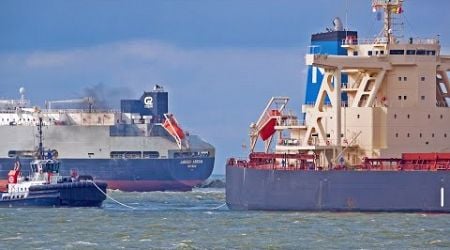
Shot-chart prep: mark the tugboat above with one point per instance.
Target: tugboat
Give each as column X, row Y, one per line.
column 45, row 187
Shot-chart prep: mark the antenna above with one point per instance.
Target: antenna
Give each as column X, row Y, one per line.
column 346, row 15
column 41, row 147
column 390, row 8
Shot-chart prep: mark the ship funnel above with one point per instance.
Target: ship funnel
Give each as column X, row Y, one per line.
column 337, row 24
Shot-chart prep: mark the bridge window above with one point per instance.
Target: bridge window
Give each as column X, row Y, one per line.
column 125, row 154
column 355, row 53
column 369, row 52
column 190, row 154
column 410, row 52
column 151, row 154
column 397, row 52
column 21, row 153
column 421, row 52
column 204, row 153
column 182, row 154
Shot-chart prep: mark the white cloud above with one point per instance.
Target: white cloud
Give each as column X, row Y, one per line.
column 214, row 92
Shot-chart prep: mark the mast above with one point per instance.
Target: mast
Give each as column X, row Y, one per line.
column 40, row 147
column 390, row 8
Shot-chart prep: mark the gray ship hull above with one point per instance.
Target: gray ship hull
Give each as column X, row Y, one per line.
column 375, row 191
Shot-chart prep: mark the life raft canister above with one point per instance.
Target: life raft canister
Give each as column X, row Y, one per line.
column 12, row 176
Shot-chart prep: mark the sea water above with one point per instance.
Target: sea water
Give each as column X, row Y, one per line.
column 200, row 220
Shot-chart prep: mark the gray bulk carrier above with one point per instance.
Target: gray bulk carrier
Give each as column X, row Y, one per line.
column 374, row 134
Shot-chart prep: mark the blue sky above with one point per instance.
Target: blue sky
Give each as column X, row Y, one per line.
column 220, row 60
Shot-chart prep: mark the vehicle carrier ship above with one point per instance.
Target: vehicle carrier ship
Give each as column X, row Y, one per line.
column 139, row 148
column 374, row 134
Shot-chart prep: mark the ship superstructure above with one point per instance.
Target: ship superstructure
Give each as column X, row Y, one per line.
column 380, row 118
column 139, row 148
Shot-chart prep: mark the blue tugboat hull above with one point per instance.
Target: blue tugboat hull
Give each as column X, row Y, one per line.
column 69, row 194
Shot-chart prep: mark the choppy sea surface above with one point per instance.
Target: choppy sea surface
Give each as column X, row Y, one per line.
column 200, row 220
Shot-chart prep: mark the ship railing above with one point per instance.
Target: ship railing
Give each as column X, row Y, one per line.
column 409, row 162
column 326, row 104
column 81, row 111
column 8, row 111
column 383, row 41
column 291, row 122
column 275, row 161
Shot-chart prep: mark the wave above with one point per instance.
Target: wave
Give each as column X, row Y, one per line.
column 212, row 183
